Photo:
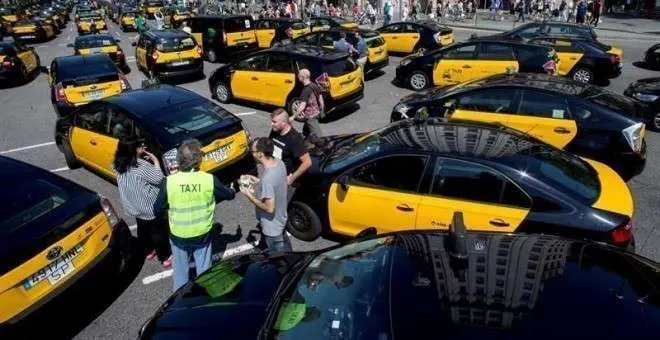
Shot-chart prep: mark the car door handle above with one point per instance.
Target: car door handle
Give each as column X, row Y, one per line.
column 467, row 66
column 404, row 207
column 562, row 130
column 394, row 37
column 572, row 58
column 288, row 81
column 255, row 78
column 498, row 222
column 92, row 141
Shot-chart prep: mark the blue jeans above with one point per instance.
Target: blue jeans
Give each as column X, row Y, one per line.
column 278, row 244
column 181, row 251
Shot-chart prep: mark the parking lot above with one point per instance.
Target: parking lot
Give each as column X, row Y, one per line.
column 118, row 309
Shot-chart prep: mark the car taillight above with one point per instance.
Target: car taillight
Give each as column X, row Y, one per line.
column 124, row 83
column 60, row 96
column 224, row 37
column 623, row 234
column 199, row 50
column 154, row 56
column 110, row 212
column 615, row 59
column 7, row 63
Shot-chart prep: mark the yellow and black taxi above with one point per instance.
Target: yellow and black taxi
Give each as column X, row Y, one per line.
column 127, row 20
column 416, row 36
column 646, row 95
column 414, row 174
column 18, row 62
column 168, row 53
column 79, row 79
column 81, row 11
column 86, row 20
column 471, row 60
column 49, row 19
column 56, row 19
column 377, row 56
column 544, row 29
column 583, row 119
column 100, row 43
column 322, row 23
column 53, row 232
column 150, row 7
column 408, row 285
column 10, row 15
column 224, row 37
column 90, row 135
column 272, row 30
column 33, row 30
column 174, row 16
column 269, row 77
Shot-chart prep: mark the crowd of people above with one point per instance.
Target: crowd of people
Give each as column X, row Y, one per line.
column 580, row 11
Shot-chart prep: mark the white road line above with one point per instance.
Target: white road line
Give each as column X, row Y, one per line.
column 228, row 252
column 130, row 58
column 68, row 38
column 60, row 169
column 26, row 148
column 249, row 113
column 62, row 44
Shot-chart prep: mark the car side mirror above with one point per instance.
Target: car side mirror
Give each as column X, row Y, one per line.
column 134, row 43
column 343, row 182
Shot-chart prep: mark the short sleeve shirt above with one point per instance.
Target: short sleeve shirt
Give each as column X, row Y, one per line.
column 288, row 148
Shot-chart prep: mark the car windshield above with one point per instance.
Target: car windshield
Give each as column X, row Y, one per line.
column 190, row 117
column 175, row 44
column 355, row 149
column 610, row 100
column 30, row 199
column 95, row 41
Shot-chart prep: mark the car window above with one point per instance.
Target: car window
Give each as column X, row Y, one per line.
column 473, row 182
column 491, row 100
column 120, row 124
column 410, row 28
column 392, row 29
column 31, row 199
column 328, row 39
column 532, row 30
column 541, row 104
column 308, row 39
column 531, row 55
column 92, row 118
column 256, row 63
column 263, row 24
column 461, row 52
column 387, row 173
column 238, row 24
column 279, row 63
column 496, row 52
column 559, row 29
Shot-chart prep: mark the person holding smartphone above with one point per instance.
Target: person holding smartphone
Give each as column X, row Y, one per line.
column 139, row 177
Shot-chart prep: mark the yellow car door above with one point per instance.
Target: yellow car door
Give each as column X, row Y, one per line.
column 377, row 195
column 28, row 57
column 279, row 79
column 455, row 65
column 141, row 52
column 265, row 32
column 393, row 36
column 544, row 116
column 489, row 201
column 488, row 106
column 85, row 136
column 495, row 58
column 569, row 55
column 409, row 38
column 248, row 78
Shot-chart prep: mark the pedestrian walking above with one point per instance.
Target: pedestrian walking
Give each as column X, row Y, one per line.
column 595, row 12
column 139, row 178
column 311, row 107
column 270, row 199
column 289, row 147
column 371, row 12
column 388, row 12
column 404, row 13
column 189, row 196
column 580, row 12
column 362, row 52
column 520, row 11
column 160, row 20
column 141, row 23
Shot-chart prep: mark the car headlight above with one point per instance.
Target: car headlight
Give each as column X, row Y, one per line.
column 170, row 162
column 645, row 97
column 634, row 135
column 405, row 62
column 402, row 109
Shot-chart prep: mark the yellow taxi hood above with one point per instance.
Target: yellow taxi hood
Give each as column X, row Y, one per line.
column 614, row 195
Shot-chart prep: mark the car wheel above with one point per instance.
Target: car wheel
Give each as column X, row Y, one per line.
column 293, row 106
column 69, row 156
column 656, row 122
column 222, row 93
column 583, row 75
column 211, row 56
column 303, row 223
column 418, row 81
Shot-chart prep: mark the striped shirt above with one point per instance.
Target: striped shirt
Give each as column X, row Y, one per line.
column 138, row 189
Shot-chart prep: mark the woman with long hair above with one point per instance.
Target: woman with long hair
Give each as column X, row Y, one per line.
column 139, row 177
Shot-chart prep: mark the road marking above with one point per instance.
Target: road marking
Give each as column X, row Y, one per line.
column 130, row 58
column 62, row 44
column 68, row 37
column 117, row 34
column 227, row 253
column 26, row 148
column 249, row 113
column 60, row 169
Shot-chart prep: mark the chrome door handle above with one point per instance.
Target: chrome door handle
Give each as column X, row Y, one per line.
column 288, row 82
column 255, row 78
column 467, row 66
column 498, row 222
column 92, row 141
column 404, row 207
column 561, row 130
column 572, row 58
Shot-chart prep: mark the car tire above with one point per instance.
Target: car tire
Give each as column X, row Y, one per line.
column 303, row 222
column 655, row 123
column 292, row 107
column 211, row 56
column 418, row 81
column 70, row 158
column 583, row 75
column 222, row 93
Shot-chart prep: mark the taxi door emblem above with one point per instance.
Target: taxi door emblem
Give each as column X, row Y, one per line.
column 54, row 253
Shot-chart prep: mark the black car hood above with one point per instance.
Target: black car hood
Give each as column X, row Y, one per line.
column 647, row 85
column 426, row 95
column 498, row 36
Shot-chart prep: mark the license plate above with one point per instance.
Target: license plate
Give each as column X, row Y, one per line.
column 179, row 63
column 56, row 270
column 95, row 50
column 94, row 94
column 28, row 36
column 218, row 155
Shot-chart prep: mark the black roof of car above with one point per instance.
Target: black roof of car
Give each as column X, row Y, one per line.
column 215, row 17
column 94, row 37
column 311, row 51
column 75, row 60
column 166, row 33
column 281, row 19
column 536, row 80
column 148, row 101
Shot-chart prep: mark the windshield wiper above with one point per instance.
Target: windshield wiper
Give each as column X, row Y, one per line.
column 172, row 126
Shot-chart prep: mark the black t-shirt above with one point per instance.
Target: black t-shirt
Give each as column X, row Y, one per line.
column 288, row 148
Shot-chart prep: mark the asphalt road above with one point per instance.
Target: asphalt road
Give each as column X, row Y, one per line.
column 115, row 307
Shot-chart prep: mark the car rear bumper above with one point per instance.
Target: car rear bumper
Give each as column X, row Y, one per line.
column 343, row 102
column 194, row 69
column 378, row 65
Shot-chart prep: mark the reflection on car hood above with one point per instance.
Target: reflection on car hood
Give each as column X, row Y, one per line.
column 501, row 287
column 647, row 85
column 426, row 95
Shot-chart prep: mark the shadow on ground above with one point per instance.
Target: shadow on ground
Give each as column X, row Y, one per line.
column 644, row 66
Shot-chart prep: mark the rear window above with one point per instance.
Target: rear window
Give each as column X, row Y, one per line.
column 238, row 24
column 82, row 74
column 375, row 42
column 30, row 199
column 95, row 41
column 340, row 67
column 609, row 99
column 191, row 117
column 175, row 44
column 298, row 26
column 129, row 14
column 95, row 17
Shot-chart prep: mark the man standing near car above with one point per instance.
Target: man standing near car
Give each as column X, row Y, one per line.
column 270, row 199
column 311, row 107
column 289, row 146
column 190, row 196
